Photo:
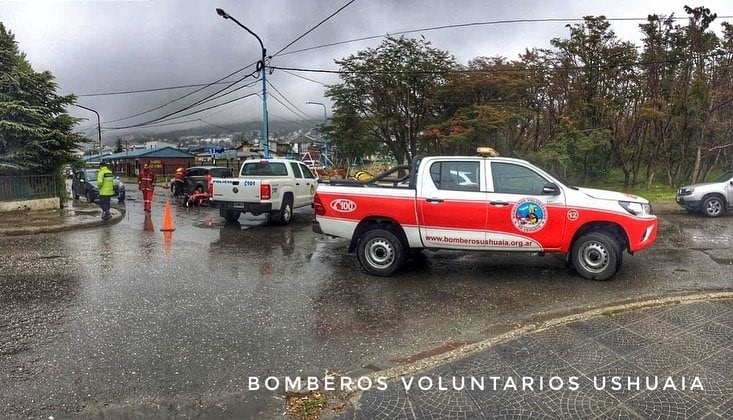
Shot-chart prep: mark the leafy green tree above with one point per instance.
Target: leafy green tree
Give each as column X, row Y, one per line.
column 389, row 90
column 486, row 104
column 35, row 129
column 350, row 136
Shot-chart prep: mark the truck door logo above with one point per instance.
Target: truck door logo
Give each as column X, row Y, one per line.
column 529, row 215
column 343, row 205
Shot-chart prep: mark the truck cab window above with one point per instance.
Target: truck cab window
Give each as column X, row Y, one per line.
column 516, row 179
column 455, row 176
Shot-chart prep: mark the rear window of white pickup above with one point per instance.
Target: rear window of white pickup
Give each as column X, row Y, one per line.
column 265, row 169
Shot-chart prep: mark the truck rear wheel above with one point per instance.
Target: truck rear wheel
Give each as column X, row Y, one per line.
column 231, row 216
column 596, row 256
column 285, row 215
column 380, row 252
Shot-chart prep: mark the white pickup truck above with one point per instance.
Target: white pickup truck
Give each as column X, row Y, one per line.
column 273, row 186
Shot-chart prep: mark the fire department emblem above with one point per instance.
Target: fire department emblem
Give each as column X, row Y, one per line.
column 529, row 215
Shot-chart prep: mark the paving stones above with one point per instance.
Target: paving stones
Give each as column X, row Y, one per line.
column 666, row 362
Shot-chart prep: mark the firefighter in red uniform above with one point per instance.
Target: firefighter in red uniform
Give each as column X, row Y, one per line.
column 146, row 183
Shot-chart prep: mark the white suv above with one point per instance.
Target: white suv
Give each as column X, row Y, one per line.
column 713, row 198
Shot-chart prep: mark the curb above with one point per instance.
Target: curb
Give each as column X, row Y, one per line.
column 117, row 215
column 353, row 398
column 392, row 372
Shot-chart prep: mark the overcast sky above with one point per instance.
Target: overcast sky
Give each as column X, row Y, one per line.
column 106, row 46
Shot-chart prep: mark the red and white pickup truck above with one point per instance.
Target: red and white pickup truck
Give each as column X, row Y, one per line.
column 482, row 203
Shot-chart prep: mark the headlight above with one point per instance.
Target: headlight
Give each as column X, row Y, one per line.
column 635, row 208
column 685, row 191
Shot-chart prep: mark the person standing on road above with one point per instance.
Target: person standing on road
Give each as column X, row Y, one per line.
column 178, row 181
column 105, row 184
column 146, row 183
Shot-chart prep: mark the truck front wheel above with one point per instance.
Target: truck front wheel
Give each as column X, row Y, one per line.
column 596, row 256
column 713, row 206
column 380, row 252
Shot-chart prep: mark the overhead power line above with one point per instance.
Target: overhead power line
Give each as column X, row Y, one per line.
column 313, row 28
column 464, row 25
column 476, row 71
column 288, row 101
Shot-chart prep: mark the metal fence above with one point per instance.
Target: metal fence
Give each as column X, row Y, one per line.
column 27, row 187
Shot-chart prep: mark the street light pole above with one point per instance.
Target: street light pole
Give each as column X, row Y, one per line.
column 263, row 72
column 99, row 124
column 325, row 137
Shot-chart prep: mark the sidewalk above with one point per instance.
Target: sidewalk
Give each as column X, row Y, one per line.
column 75, row 215
column 668, row 362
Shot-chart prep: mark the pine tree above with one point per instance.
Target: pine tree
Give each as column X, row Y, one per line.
column 35, row 130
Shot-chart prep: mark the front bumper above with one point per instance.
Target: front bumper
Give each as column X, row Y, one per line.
column 688, row 202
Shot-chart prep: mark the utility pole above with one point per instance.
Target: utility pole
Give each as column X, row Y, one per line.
column 263, row 73
column 99, row 124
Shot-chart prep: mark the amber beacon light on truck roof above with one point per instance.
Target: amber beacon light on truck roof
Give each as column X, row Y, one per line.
column 487, row 152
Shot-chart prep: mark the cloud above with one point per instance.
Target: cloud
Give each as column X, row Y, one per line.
column 98, row 46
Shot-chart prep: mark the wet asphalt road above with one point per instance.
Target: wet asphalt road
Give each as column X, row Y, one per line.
column 120, row 321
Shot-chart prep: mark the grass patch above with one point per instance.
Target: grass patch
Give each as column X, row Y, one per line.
column 306, row 406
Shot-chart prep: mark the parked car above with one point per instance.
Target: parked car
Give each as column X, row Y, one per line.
column 84, row 183
column 712, row 198
column 196, row 179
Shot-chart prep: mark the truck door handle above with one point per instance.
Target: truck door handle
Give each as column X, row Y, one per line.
column 434, row 200
column 498, row 203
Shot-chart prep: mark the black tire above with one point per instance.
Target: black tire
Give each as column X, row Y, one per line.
column 380, row 252
column 232, row 216
column 713, row 206
column 596, row 256
column 90, row 197
column 285, row 215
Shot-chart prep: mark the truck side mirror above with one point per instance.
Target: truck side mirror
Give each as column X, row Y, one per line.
column 550, row 189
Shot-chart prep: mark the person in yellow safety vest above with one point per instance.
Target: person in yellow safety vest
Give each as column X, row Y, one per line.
column 105, row 185
column 146, row 183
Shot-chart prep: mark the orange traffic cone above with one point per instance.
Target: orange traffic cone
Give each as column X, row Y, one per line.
column 167, row 219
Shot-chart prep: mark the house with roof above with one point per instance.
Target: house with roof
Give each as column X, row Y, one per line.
column 164, row 160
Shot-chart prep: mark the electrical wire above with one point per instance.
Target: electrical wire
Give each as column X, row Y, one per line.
column 313, row 28
column 305, row 78
column 190, row 113
column 463, row 25
column 475, row 71
column 287, row 100
column 199, row 102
